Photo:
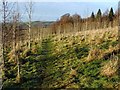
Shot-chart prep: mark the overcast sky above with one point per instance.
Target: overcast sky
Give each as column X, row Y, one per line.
column 65, row 0
column 51, row 10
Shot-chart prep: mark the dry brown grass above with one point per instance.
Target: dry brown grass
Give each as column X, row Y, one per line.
column 110, row 51
column 94, row 53
column 73, row 73
column 11, row 55
column 110, row 67
column 99, row 41
column 25, row 52
column 34, row 49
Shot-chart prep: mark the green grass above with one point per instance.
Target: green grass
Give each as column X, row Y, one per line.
column 50, row 66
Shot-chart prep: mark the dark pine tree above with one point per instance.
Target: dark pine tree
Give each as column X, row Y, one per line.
column 98, row 17
column 99, row 14
column 92, row 16
column 111, row 14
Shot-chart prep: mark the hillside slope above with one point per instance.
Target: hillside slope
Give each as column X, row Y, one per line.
column 88, row 59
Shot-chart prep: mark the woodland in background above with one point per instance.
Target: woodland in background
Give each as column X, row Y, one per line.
column 75, row 23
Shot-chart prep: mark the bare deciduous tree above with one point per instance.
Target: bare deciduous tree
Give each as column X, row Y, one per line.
column 29, row 13
column 6, row 16
column 16, row 40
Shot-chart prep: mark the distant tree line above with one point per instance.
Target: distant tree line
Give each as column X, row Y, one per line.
column 75, row 23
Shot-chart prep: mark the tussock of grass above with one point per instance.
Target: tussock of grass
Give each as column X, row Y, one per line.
column 93, row 54
column 73, row 73
column 110, row 67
